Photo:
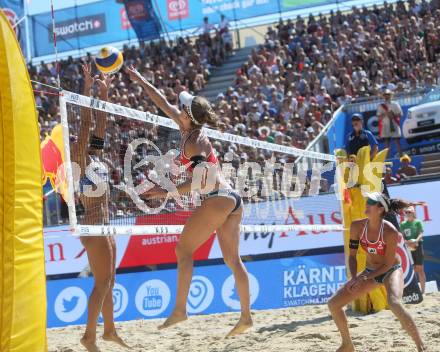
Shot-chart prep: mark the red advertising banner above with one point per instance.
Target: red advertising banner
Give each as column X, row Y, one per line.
column 177, row 9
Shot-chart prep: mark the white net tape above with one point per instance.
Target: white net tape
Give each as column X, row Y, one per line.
column 129, row 217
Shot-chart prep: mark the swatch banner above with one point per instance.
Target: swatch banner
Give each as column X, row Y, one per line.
column 85, row 26
column 143, row 19
column 276, row 283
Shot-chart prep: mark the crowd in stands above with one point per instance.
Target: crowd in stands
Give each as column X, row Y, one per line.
column 307, row 68
column 288, row 89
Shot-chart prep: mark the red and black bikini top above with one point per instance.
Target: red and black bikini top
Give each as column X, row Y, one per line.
column 378, row 247
column 211, row 158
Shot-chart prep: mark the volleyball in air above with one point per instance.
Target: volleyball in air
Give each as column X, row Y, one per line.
column 109, row 60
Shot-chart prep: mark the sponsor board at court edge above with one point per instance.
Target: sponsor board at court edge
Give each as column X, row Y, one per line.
column 67, row 255
column 274, row 283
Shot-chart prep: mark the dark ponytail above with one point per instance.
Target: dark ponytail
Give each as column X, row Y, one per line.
column 397, row 205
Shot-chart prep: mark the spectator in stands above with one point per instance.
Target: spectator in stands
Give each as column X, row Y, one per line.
column 206, row 27
column 223, row 25
column 412, row 230
column 389, row 179
column 227, row 40
column 389, row 113
column 406, row 169
column 360, row 137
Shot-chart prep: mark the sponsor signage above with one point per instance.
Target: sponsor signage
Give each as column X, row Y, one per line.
column 276, row 283
column 177, row 9
column 80, row 26
column 65, row 254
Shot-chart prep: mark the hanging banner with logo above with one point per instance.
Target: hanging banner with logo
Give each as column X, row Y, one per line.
column 14, row 11
column 80, row 27
column 143, row 19
column 276, row 283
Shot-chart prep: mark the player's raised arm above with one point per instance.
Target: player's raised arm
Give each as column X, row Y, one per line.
column 156, row 96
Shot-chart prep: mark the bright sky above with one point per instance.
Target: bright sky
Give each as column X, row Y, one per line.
column 39, row 6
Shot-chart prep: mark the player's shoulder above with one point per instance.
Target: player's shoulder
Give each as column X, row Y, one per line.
column 355, row 224
column 389, row 230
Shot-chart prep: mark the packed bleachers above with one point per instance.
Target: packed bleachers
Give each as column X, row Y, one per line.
column 291, row 85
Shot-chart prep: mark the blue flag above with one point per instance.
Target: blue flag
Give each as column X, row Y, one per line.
column 143, row 19
column 14, row 11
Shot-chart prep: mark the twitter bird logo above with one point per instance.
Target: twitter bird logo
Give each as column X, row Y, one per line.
column 70, row 304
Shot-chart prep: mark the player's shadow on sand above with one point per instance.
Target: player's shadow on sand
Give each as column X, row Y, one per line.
column 293, row 326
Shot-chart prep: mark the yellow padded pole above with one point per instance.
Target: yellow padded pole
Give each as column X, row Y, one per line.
column 22, row 273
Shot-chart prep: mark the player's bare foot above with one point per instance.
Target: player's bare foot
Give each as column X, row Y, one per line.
column 421, row 348
column 243, row 325
column 90, row 345
column 173, row 319
column 346, row 347
column 113, row 337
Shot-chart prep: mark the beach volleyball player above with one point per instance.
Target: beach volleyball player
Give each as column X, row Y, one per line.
column 379, row 239
column 101, row 250
column 220, row 211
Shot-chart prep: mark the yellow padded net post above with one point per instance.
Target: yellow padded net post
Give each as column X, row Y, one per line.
column 353, row 206
column 22, row 274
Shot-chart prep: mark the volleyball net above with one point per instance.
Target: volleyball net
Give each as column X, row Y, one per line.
column 114, row 155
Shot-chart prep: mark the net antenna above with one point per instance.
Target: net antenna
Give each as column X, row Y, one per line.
column 274, row 200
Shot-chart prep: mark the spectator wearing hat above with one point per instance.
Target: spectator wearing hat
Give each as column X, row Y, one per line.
column 389, row 113
column 388, row 178
column 406, row 169
column 360, row 137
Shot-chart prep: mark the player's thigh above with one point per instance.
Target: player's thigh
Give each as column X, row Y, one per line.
column 205, row 220
column 99, row 253
column 229, row 236
column 344, row 296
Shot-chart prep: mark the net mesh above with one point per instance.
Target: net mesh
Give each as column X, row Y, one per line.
column 105, row 186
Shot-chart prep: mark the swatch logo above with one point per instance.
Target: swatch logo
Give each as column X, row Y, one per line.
column 201, row 294
column 80, row 26
column 177, row 9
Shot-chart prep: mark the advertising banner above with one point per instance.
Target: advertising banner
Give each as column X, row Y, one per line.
column 274, row 283
column 14, row 11
column 420, row 129
column 84, row 24
column 80, row 27
column 143, row 19
column 65, row 254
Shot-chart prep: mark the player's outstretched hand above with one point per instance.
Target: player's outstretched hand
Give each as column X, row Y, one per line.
column 87, row 73
column 104, row 83
column 133, row 73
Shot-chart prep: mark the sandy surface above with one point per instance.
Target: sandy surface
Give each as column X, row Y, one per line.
column 306, row 328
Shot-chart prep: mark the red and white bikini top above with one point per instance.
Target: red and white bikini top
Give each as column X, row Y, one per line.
column 211, row 158
column 377, row 247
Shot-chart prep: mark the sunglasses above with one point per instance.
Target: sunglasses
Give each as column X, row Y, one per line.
column 372, row 202
column 409, row 213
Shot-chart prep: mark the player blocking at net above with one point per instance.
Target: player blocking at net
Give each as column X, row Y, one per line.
column 101, row 250
column 220, row 210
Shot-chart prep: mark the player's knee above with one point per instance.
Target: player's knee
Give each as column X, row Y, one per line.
column 332, row 304
column 182, row 253
column 233, row 262
column 102, row 285
column 394, row 303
